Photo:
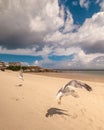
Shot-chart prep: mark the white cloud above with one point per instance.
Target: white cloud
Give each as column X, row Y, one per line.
column 97, row 1
column 102, row 5
column 84, row 3
column 18, row 51
column 47, row 19
column 88, row 37
column 80, row 59
column 37, row 25
column 86, row 58
column 66, row 51
column 26, row 23
column 87, row 43
column 44, row 52
column 36, row 63
column 76, row 63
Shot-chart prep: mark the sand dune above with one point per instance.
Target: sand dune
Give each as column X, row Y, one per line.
column 33, row 105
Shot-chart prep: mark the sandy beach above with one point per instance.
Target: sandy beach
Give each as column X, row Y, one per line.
column 33, row 105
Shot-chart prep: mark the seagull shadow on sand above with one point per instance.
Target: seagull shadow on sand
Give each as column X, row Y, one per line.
column 55, row 111
column 19, row 85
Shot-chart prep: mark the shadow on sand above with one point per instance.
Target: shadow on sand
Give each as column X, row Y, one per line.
column 56, row 111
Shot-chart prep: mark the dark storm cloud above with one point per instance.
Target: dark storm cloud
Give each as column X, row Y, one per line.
column 96, row 47
column 14, row 25
column 22, row 39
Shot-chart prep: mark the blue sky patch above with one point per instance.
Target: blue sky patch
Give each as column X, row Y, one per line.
column 61, row 58
column 79, row 13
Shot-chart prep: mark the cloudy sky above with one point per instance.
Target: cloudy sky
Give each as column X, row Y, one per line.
column 65, row 33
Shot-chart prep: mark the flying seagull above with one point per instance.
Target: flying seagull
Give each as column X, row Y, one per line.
column 21, row 74
column 69, row 89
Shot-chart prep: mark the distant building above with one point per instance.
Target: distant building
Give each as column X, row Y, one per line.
column 2, row 65
column 14, row 64
column 32, row 69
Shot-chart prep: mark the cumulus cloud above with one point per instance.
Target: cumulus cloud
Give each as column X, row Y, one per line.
column 84, row 3
column 89, row 37
column 80, row 60
column 87, row 43
column 93, row 34
column 102, row 5
column 23, row 24
column 97, row 1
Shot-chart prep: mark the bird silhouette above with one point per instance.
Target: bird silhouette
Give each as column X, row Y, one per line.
column 70, row 89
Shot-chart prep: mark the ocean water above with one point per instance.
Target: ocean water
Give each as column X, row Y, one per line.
column 97, row 73
column 19, row 58
column 93, row 72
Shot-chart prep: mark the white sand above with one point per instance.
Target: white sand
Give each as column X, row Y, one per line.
column 25, row 107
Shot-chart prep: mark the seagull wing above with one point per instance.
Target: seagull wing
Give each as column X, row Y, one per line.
column 69, row 89
column 79, row 84
column 87, row 87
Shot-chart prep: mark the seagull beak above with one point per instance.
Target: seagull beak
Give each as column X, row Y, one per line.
column 59, row 101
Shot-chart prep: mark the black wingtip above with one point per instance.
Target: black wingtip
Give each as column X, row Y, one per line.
column 87, row 87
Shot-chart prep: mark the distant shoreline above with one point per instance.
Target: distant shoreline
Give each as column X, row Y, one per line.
column 79, row 75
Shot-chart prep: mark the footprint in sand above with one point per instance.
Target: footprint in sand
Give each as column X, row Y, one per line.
column 83, row 111
column 16, row 99
column 74, row 116
column 90, row 119
column 19, row 85
column 100, row 128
